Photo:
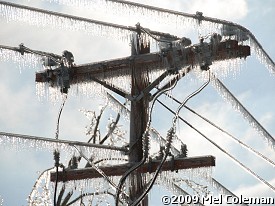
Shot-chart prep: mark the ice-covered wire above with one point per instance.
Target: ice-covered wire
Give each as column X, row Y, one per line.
column 237, row 105
column 225, row 132
column 59, row 115
column 56, row 152
column 170, row 135
column 89, row 25
column 221, row 149
column 23, row 49
column 145, row 139
column 158, row 138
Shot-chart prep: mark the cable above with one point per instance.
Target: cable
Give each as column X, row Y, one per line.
column 145, row 143
column 59, row 115
column 158, row 137
column 225, row 132
column 170, row 135
column 199, row 17
column 56, row 159
column 224, row 151
column 101, row 24
column 236, row 104
column 56, row 152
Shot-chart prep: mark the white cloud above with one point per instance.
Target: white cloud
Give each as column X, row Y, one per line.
column 257, row 190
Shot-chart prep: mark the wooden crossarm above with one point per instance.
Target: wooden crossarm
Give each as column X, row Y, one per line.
column 118, row 170
column 228, row 49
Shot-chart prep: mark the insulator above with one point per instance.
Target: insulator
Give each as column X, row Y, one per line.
column 145, row 143
column 48, row 62
column 73, row 164
column 169, row 139
column 183, row 150
column 228, row 30
column 69, row 57
column 56, row 157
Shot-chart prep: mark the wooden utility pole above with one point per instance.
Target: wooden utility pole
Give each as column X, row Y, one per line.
column 138, row 120
column 137, row 65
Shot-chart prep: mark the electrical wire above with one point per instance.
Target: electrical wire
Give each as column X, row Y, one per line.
column 22, row 49
column 145, row 142
column 237, row 105
column 221, row 149
column 199, row 18
column 59, row 115
column 56, row 152
column 170, row 135
column 79, row 19
column 225, row 132
column 216, row 184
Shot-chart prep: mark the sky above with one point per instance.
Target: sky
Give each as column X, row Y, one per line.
column 23, row 112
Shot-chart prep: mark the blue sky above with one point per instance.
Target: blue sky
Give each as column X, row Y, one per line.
column 22, row 112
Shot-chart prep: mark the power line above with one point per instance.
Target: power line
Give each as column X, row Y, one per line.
column 237, row 105
column 259, row 50
column 220, row 148
column 5, row 7
column 4, row 136
column 225, row 132
column 154, row 134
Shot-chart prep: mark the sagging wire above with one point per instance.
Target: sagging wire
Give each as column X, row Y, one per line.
column 158, row 137
column 98, row 170
column 145, row 139
column 225, row 132
column 221, row 149
column 56, row 152
column 170, row 134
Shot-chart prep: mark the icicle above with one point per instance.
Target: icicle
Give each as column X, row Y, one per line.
column 50, row 19
column 88, row 89
column 116, row 106
column 132, row 10
column 261, row 55
column 23, row 61
column 20, row 144
column 40, row 194
column 229, row 97
column 221, row 69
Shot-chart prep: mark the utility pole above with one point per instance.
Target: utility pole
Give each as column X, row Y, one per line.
column 138, row 64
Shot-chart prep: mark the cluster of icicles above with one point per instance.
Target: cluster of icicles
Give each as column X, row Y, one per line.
column 98, row 189
column 18, row 144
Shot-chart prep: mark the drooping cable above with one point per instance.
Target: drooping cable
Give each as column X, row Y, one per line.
column 145, row 139
column 221, row 149
column 56, row 152
column 225, row 132
column 170, row 135
column 158, row 138
column 237, row 105
column 59, row 115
